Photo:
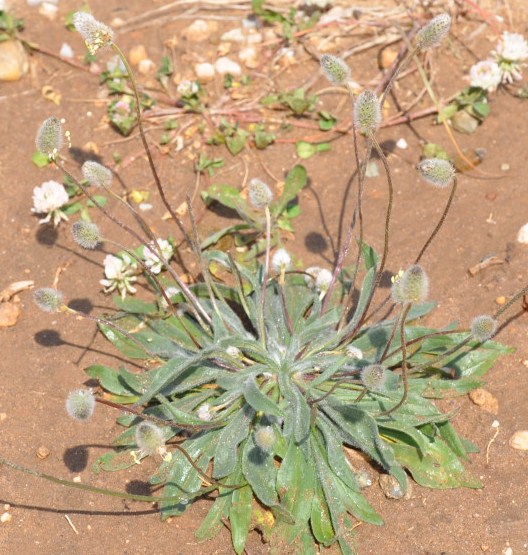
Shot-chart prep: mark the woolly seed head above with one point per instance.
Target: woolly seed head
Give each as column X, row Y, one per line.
column 280, row 261
column 96, row 35
column 367, row 112
column 434, row 32
column 265, row 438
column 149, row 437
column 412, row 287
column 86, row 234
column 49, row 137
column 80, row 404
column 437, row 172
column 373, row 377
column 48, row 299
column 335, row 69
column 96, row 174
column 260, row 195
column 483, row 327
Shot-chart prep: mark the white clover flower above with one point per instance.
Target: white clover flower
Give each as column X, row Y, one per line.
column 485, row 75
column 187, row 88
column 512, row 47
column 353, row 352
column 152, row 260
column 96, row 35
column 280, row 261
column 48, row 199
column 511, row 55
column 120, row 274
column 204, row 412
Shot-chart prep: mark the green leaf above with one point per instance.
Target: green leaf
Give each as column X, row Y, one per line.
column 326, row 121
column 482, row 109
column 260, row 471
column 320, row 519
column 295, row 180
column 258, row 400
column 224, row 194
column 240, row 517
column 110, row 380
column 40, row 160
column 447, row 112
column 305, row 150
column 237, row 142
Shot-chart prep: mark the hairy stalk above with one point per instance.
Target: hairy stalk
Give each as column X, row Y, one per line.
column 265, row 278
column 153, row 169
column 440, row 222
column 185, row 290
column 111, row 324
column 417, row 340
column 390, row 339
column 405, row 381
column 94, row 489
column 514, row 299
column 238, row 284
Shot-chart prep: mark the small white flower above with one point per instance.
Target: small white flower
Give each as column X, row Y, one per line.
column 204, row 412
column 48, row 199
column 323, row 280
column 187, row 88
column 152, row 260
column 485, row 75
column 311, row 274
column 353, row 352
column 280, row 261
column 120, row 274
column 512, row 47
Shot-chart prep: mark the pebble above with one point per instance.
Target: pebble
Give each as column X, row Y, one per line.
column 485, row 399
column 249, row 56
column 519, row 440
column 387, row 57
column 234, row 35
column 505, row 167
column 500, row 300
column 9, row 314
column 200, row 30
column 13, row 60
column 224, row 66
column 49, row 10
column 6, row 517
column 204, row 72
column 522, row 234
column 137, row 54
column 66, row 51
column 146, row 67
column 43, row 452
column 402, row 143
column 372, row 169
column 392, row 489
column 464, row 122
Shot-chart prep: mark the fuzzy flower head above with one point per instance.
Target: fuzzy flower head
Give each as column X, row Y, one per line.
column 434, row 32
column 280, row 261
column 96, row 35
column 259, row 194
column 437, row 172
column 96, row 174
column 483, row 327
column 86, row 234
column 187, row 88
column 120, row 274
column 353, row 352
column 48, row 299
column 485, row 75
column 511, row 55
column 149, row 438
column 367, row 112
column 318, row 278
column 152, row 260
column 80, row 404
column 204, row 412
column 49, row 137
column 48, row 199
column 335, row 69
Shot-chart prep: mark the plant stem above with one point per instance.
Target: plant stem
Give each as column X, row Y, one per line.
column 265, row 278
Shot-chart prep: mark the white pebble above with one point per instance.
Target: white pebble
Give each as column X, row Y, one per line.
column 225, row 66
column 6, row 517
column 519, row 440
column 402, row 143
column 66, row 51
column 204, row 71
column 522, row 234
column 234, row 35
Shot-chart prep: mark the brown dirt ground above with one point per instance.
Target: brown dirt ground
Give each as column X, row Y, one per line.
column 43, row 357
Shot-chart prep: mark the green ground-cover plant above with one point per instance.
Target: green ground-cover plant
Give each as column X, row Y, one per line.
column 271, row 374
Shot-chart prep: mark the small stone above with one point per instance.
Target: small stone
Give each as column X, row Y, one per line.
column 402, row 143
column 464, row 122
column 77, row 479
column 49, row 10
column 13, row 60
column 43, row 452
column 200, row 30
column 66, row 51
column 146, row 67
column 234, row 35
column 3, row 416
column 392, row 489
column 519, row 440
column 6, row 517
column 485, row 399
column 500, row 300
column 372, row 169
column 505, row 167
column 522, row 234
column 387, row 57
column 9, row 314
column 204, row 72
column 224, row 66
column 249, row 56
column 137, row 54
